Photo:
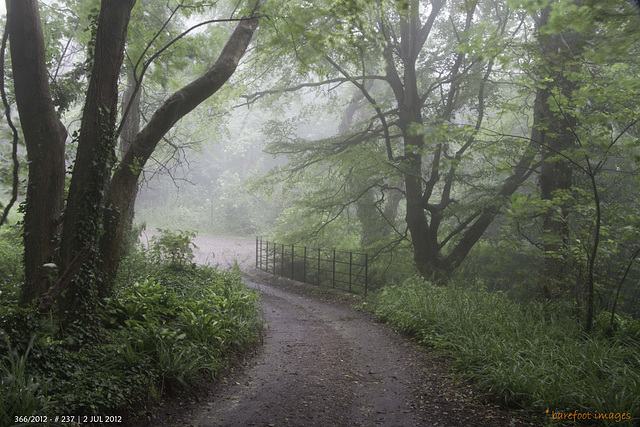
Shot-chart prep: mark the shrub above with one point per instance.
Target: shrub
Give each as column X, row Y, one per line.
column 20, row 393
column 175, row 248
column 169, row 326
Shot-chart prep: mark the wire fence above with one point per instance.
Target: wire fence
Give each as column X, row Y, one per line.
column 343, row 270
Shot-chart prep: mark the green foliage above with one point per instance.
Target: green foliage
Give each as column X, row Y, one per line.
column 20, row 393
column 166, row 329
column 187, row 323
column 533, row 356
column 17, row 326
column 11, row 272
column 173, row 248
column 503, row 264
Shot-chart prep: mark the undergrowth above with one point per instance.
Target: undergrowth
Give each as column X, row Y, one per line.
column 533, row 357
column 167, row 328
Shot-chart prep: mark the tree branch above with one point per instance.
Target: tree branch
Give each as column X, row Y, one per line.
column 257, row 95
column 14, row 131
column 46, row 300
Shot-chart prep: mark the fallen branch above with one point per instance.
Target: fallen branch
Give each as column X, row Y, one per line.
column 46, row 300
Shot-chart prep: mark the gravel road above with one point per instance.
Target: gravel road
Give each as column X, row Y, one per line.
column 322, row 363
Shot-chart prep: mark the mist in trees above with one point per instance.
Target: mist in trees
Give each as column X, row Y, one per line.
column 500, row 126
column 208, row 186
column 81, row 226
column 487, row 142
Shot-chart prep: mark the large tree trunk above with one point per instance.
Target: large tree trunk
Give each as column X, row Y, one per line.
column 44, row 136
column 425, row 217
column 554, row 175
column 125, row 179
column 554, row 130
column 95, row 157
column 130, row 128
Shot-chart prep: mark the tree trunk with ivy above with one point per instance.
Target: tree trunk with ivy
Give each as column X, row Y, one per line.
column 98, row 198
column 96, row 154
column 125, row 179
column 130, row 128
column 44, row 136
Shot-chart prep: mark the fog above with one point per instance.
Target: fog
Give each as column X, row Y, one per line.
column 208, row 176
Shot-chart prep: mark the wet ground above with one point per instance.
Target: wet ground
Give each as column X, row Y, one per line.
column 323, row 363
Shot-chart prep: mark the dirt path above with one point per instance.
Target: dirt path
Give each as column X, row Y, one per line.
column 323, row 363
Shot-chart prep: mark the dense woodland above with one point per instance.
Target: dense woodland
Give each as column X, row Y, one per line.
column 484, row 153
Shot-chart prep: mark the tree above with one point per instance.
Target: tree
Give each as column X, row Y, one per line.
column 557, row 59
column 438, row 66
column 585, row 117
column 44, row 135
column 100, row 190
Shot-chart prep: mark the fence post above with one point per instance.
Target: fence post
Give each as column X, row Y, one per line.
column 334, row 269
column 282, row 262
column 350, row 269
column 304, row 266
column 293, row 262
column 366, row 273
column 275, row 256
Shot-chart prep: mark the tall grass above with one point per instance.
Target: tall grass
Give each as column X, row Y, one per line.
column 534, row 357
column 20, row 393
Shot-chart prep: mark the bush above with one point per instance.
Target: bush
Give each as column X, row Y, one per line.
column 533, row 356
column 20, row 393
column 167, row 328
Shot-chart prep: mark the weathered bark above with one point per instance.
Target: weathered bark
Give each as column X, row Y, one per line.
column 44, row 136
column 125, row 179
column 131, row 123
column 130, row 128
column 96, row 144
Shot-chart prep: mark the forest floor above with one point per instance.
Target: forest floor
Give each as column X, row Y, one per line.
column 323, row 363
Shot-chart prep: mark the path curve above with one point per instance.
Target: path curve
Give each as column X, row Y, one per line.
column 322, row 363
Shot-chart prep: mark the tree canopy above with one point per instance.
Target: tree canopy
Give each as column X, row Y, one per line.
column 434, row 128
column 62, row 223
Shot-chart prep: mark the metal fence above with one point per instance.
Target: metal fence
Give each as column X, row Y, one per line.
column 323, row 267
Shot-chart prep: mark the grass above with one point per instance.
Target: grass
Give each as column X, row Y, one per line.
column 533, row 357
